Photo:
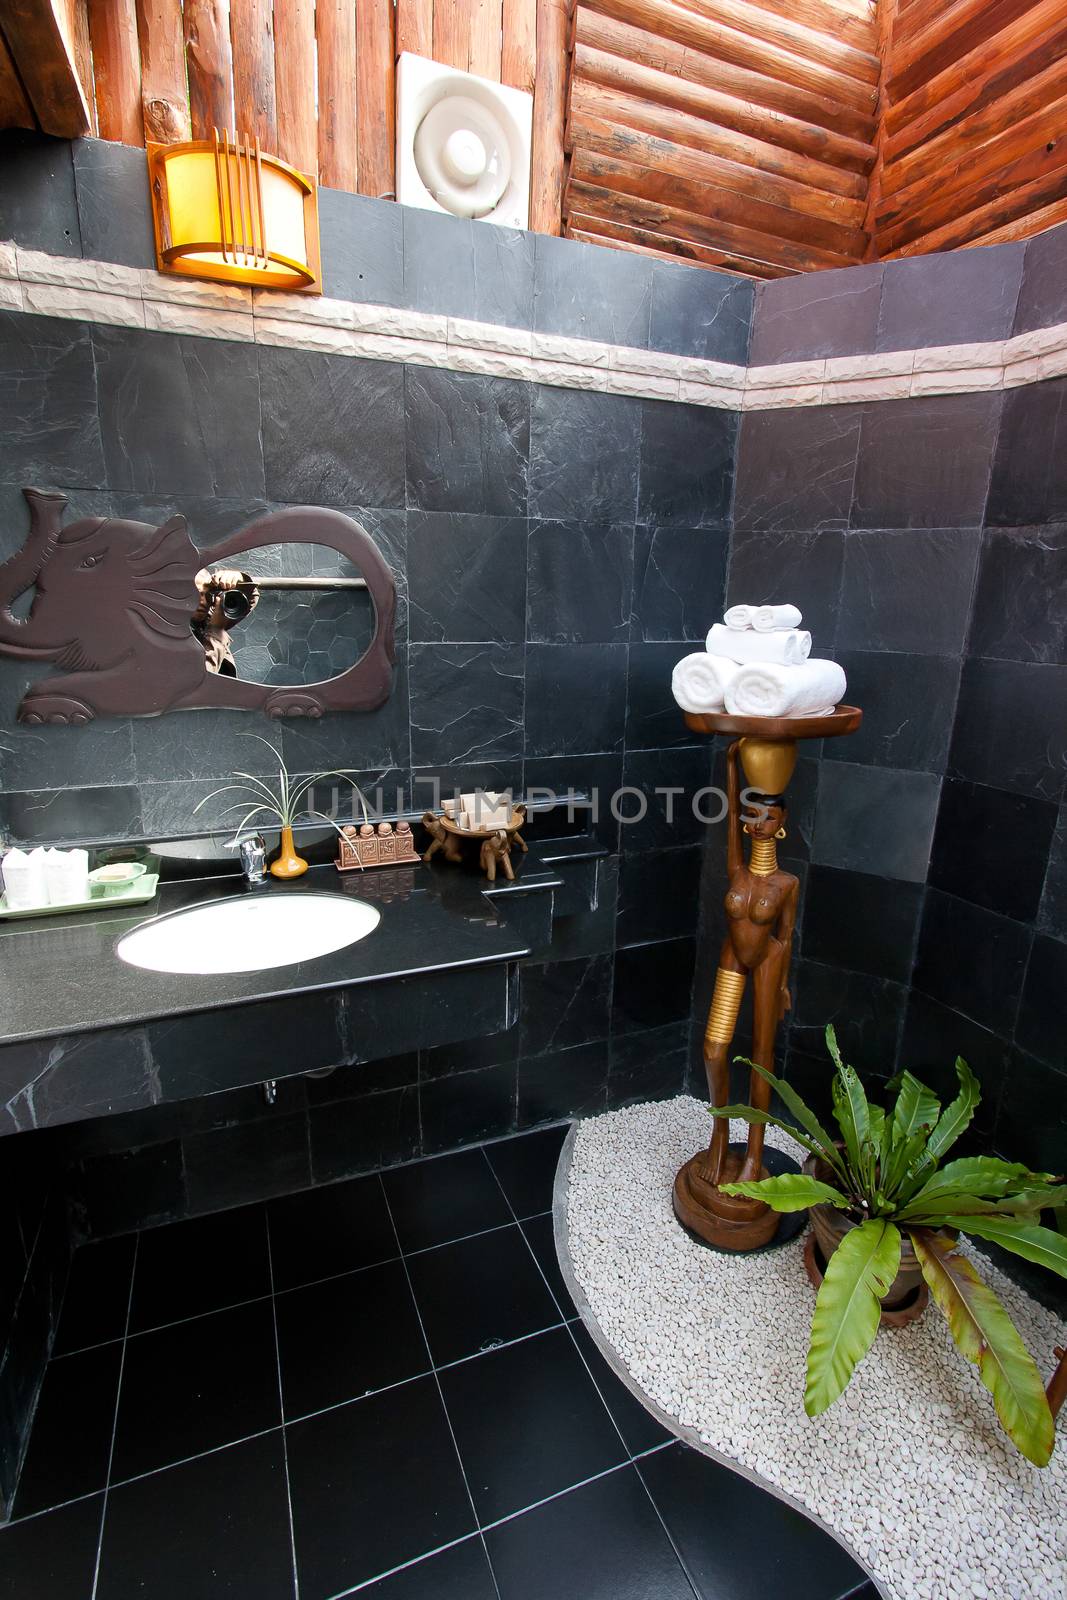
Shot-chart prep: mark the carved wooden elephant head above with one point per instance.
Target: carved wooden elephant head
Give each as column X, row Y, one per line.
column 113, row 604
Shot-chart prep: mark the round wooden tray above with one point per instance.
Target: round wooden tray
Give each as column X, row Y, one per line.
column 513, row 826
column 845, row 719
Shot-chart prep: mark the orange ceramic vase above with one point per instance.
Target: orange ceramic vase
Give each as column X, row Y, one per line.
column 287, row 863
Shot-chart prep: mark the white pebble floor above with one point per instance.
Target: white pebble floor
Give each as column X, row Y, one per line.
column 909, row 1468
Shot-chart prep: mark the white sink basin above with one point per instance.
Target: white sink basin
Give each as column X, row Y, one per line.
column 249, row 934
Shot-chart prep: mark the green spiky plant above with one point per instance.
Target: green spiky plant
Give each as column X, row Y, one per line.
column 887, row 1175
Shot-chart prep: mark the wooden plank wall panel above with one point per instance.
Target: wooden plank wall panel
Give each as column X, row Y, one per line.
column 164, row 93
column 209, row 63
column 294, row 54
column 116, row 70
column 335, row 37
column 518, row 47
column 763, row 136
column 975, row 147
column 549, row 117
column 414, row 27
column 745, row 130
column 254, row 94
column 376, row 98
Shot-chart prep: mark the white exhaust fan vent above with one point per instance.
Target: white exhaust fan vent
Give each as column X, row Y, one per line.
column 462, row 143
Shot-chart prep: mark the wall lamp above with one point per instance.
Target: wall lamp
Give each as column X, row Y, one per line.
column 224, row 210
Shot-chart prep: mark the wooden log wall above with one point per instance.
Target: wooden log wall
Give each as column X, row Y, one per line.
column 315, row 79
column 763, row 136
column 975, row 124
column 735, row 133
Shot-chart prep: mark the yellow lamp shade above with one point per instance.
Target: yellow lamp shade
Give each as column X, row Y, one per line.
column 225, row 211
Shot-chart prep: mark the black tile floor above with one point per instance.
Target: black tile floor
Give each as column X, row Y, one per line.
column 381, row 1386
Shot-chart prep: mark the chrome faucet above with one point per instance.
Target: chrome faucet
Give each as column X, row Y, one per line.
column 253, row 851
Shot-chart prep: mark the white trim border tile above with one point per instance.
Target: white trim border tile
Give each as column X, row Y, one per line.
column 35, row 283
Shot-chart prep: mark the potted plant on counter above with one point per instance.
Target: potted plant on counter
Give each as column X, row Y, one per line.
column 882, row 1197
column 283, row 806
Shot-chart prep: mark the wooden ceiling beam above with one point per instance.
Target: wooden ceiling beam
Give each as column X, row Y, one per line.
column 997, row 134
column 911, row 17
column 952, row 32
column 1018, row 162
column 39, row 41
column 15, row 108
column 602, row 231
column 740, row 116
column 807, row 206
column 740, row 49
column 630, row 111
column 786, row 33
column 987, row 57
column 854, row 23
column 1025, row 227
column 698, row 228
column 1019, row 72
column 663, row 176
column 991, row 218
column 691, row 66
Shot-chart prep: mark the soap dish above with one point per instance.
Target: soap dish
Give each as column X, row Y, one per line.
column 136, row 893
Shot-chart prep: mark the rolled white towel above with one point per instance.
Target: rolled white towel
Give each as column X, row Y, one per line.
column 791, row 645
column 739, row 617
column 699, row 681
column 771, row 689
column 775, row 619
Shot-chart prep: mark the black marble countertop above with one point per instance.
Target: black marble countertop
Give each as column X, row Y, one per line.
column 61, row 974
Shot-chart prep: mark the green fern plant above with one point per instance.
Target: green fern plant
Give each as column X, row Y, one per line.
column 887, row 1174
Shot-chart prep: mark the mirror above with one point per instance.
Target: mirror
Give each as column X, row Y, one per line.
column 289, row 614
column 135, row 624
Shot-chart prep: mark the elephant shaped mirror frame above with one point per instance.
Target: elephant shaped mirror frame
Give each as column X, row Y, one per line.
column 113, row 604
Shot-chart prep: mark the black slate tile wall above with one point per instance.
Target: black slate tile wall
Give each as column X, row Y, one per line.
column 91, row 199
column 925, row 541
column 554, row 540
column 35, row 1251
column 556, row 553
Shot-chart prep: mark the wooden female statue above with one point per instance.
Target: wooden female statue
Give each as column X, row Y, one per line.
column 761, row 907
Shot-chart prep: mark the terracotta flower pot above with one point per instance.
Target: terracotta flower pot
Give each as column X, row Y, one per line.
column 829, row 1225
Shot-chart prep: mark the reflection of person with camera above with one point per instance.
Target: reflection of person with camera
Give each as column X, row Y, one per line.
column 226, row 598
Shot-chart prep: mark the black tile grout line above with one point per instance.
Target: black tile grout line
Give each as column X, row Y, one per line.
column 682, row 1562
column 500, row 1522
column 416, row 1561
column 281, row 1409
column 313, row 1283
column 629, row 1455
column 567, row 1325
column 305, row 1416
column 114, row 1424
column 441, row 1402
column 264, row 1433
column 152, row 1472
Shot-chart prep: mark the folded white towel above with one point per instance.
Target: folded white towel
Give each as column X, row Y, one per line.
column 699, row 681
column 770, row 689
column 788, row 646
column 765, row 619
column 775, row 619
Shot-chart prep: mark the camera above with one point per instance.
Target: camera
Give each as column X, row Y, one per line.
column 235, row 603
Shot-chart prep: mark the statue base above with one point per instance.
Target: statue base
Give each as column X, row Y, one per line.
column 725, row 1221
